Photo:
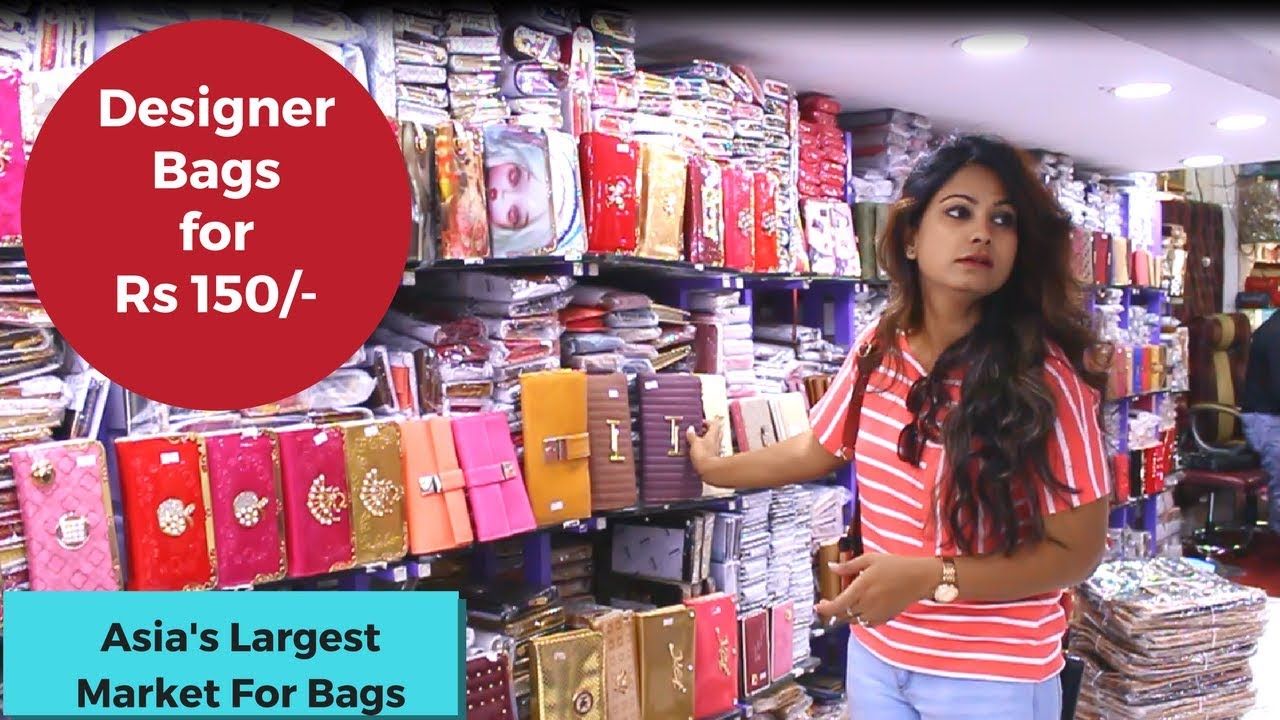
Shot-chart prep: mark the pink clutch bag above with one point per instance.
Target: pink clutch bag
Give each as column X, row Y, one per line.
column 13, row 160
column 782, row 622
column 499, row 501
column 248, row 527
column 317, row 510
column 66, row 510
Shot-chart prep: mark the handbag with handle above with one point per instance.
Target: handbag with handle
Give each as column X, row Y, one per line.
column 868, row 358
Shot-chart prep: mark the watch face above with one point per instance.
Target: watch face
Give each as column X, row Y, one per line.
column 946, row 593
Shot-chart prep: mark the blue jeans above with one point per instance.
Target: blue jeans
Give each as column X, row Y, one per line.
column 1263, row 433
column 880, row 691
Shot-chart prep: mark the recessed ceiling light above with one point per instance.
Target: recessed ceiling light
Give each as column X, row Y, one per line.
column 1142, row 90
column 994, row 44
column 1203, row 161
column 1246, row 121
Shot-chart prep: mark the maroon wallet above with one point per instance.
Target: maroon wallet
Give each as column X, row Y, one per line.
column 670, row 403
column 755, row 651
column 488, row 689
column 704, row 213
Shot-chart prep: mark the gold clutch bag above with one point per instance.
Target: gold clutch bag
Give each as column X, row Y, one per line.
column 620, row 673
column 375, row 482
column 661, row 188
column 567, row 678
column 665, row 640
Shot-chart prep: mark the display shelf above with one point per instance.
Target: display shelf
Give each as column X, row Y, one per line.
column 801, row 669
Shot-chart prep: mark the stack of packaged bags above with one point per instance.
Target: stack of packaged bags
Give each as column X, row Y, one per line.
column 802, row 578
column 520, row 320
column 473, row 45
column 824, row 151
column 17, row 38
column 663, row 120
column 702, row 95
column 723, row 339
column 421, row 67
column 776, row 365
column 608, row 330
column 35, row 401
column 824, row 189
column 533, row 53
column 754, row 575
column 868, row 306
column 886, row 145
column 797, row 350
column 451, row 363
column 614, row 97
column 1163, row 639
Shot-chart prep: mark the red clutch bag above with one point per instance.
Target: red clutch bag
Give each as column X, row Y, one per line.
column 609, row 167
column 739, row 218
column 765, row 200
column 168, row 528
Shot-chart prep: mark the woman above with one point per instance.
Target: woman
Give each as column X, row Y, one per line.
column 982, row 475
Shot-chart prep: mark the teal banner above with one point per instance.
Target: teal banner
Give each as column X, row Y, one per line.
column 233, row 654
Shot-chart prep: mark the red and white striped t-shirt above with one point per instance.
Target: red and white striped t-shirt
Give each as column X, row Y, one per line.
column 1018, row 641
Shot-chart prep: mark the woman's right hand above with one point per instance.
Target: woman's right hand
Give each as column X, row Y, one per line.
column 704, row 449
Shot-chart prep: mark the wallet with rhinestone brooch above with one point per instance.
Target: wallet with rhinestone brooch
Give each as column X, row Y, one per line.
column 314, row 494
column 169, row 529
column 67, row 515
column 375, row 481
column 248, row 524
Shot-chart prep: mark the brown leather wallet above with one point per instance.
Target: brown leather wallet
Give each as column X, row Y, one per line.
column 613, row 460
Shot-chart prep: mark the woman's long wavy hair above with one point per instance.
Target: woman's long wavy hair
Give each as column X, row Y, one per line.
column 997, row 438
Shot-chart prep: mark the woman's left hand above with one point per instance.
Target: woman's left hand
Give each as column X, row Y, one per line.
column 883, row 586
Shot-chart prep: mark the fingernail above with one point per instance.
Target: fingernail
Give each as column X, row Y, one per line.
column 833, row 565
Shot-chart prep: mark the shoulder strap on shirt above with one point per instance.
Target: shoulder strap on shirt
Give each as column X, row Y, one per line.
column 868, row 359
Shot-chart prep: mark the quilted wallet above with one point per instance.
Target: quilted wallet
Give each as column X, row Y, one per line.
column 664, row 638
column 169, row 529
column 67, row 516
column 313, row 486
column 715, row 620
column 669, row 405
column 375, row 478
column 557, row 449
column 568, row 676
column 435, row 494
column 613, row 461
column 248, row 526
column 495, row 486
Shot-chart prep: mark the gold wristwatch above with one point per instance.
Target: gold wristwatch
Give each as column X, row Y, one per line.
column 947, row 591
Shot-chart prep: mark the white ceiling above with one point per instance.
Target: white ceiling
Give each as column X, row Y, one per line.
column 1048, row 96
